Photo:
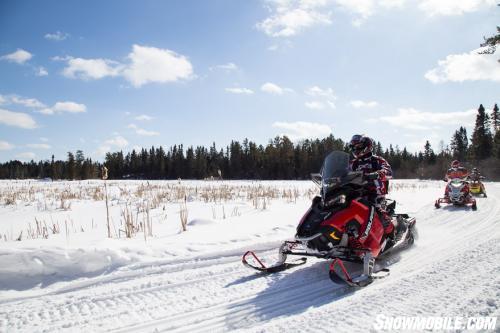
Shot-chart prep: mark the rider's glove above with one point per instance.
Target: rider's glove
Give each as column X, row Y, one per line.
column 371, row 176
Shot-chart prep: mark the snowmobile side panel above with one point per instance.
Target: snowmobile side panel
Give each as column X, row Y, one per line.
column 371, row 230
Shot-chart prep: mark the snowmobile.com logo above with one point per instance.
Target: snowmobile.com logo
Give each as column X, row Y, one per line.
column 434, row 323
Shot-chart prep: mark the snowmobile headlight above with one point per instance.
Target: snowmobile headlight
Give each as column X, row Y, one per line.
column 338, row 200
column 341, row 199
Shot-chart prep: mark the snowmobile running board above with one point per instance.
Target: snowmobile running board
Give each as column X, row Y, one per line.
column 278, row 267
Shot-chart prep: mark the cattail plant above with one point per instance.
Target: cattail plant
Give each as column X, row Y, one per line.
column 104, row 178
column 184, row 215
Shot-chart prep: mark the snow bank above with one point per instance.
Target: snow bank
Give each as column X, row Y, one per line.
column 22, row 269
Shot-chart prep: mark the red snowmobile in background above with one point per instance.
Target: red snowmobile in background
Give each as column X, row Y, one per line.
column 342, row 227
column 458, row 194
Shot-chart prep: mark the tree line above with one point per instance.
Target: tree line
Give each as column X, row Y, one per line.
column 280, row 158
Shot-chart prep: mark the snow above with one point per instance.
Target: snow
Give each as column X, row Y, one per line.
column 71, row 277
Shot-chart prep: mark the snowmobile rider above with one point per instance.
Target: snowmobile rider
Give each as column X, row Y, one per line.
column 475, row 175
column 376, row 171
column 456, row 170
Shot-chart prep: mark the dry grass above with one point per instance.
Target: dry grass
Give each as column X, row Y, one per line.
column 183, row 215
column 138, row 202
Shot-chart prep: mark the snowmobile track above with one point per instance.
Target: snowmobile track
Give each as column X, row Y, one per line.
column 228, row 314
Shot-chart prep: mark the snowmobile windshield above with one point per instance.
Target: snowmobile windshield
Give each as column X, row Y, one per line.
column 335, row 167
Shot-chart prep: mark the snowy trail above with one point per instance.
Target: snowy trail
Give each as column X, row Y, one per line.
column 454, row 269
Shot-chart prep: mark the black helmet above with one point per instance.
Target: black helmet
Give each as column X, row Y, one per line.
column 360, row 145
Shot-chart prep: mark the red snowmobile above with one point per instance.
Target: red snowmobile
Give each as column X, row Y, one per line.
column 340, row 225
column 458, row 194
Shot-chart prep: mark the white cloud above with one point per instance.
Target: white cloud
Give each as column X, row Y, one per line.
column 70, row 107
column 243, row 91
column 454, row 7
column 27, row 102
column 143, row 117
column 303, row 130
column 327, row 95
column 17, row 119
column 362, row 104
column 315, row 105
column 44, row 139
column 117, row 142
column 274, row 89
column 39, row 146
column 19, row 57
column 316, row 91
column 470, row 66
column 4, row 145
column 392, row 3
column 141, row 131
column 46, row 111
column 331, row 104
column 88, row 69
column 364, row 8
column 56, row 36
column 227, row 67
column 150, row 64
column 289, row 17
column 27, row 156
column 41, row 71
column 60, row 107
column 146, row 65
column 409, row 118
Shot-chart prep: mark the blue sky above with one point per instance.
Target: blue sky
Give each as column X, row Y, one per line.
column 113, row 75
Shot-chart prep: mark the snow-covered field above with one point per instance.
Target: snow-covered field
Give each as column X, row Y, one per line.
column 65, row 274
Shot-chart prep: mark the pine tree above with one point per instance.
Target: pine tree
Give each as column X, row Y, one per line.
column 496, row 145
column 460, row 144
column 429, row 155
column 80, row 158
column 482, row 140
column 70, row 171
column 495, row 119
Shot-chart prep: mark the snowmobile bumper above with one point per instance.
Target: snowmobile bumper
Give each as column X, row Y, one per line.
column 465, row 202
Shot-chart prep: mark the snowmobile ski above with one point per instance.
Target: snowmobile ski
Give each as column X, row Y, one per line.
column 362, row 280
column 281, row 265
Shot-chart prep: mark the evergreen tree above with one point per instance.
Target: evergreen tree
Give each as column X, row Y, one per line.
column 70, row 170
column 496, row 145
column 482, row 140
column 429, row 155
column 495, row 119
column 459, row 144
column 79, row 159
